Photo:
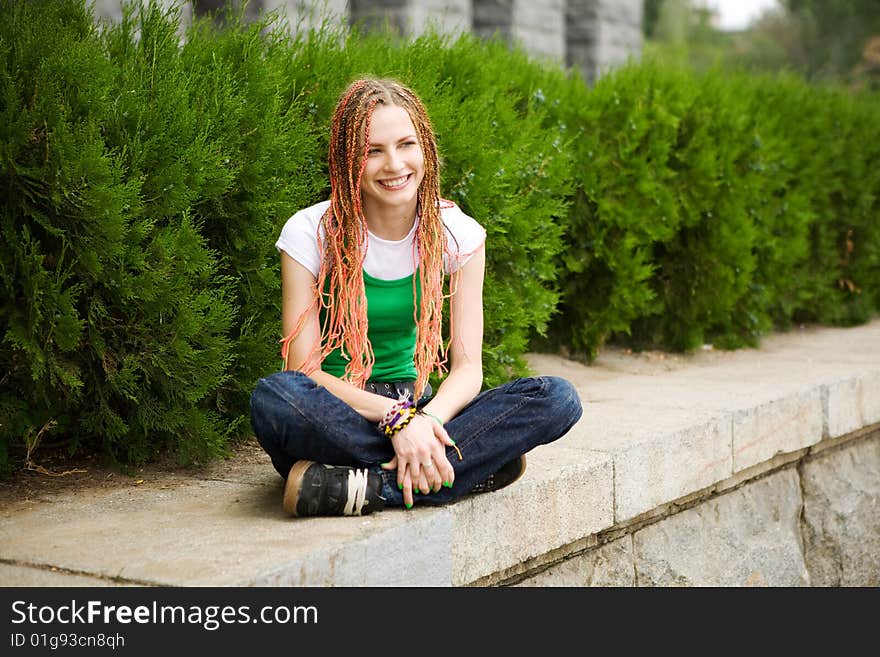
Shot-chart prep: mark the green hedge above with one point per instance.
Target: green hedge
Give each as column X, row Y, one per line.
column 142, row 182
column 711, row 208
column 147, row 180
column 146, row 177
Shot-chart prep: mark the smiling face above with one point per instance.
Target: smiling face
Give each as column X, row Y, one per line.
column 395, row 164
column 396, row 173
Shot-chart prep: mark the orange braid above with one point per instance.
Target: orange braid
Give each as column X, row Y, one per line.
column 340, row 284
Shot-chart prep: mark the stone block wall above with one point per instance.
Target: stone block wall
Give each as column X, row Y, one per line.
column 491, row 16
column 450, row 16
column 306, row 14
column 841, row 516
column 112, row 9
column 538, row 26
column 595, row 35
column 812, row 523
column 412, row 17
column 602, row 34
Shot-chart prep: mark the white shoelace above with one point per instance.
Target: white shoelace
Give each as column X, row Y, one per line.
column 357, row 492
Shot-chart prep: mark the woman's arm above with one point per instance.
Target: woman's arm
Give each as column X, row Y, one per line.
column 422, row 440
column 461, row 385
column 466, row 349
column 297, row 295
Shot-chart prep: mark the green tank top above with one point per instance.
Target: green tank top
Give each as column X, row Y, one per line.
column 391, row 330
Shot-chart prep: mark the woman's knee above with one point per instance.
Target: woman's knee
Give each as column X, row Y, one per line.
column 558, row 394
column 263, row 401
column 279, row 388
column 270, row 401
column 564, row 397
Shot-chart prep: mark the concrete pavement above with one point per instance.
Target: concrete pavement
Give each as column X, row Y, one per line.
column 656, row 428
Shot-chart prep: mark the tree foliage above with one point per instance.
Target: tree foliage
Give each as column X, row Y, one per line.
column 146, row 179
column 712, row 207
column 819, row 39
column 835, row 33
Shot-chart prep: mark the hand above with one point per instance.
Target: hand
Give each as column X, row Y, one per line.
column 420, row 458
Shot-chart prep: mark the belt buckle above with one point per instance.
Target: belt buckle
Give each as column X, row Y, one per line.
column 398, row 388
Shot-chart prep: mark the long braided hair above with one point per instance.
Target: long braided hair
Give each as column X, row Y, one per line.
column 340, row 288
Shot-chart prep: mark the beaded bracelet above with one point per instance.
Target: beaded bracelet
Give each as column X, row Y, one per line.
column 390, row 423
column 392, row 414
column 391, row 430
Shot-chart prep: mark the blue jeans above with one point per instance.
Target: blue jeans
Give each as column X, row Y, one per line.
column 295, row 418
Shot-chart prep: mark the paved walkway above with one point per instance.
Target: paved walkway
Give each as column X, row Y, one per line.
column 656, row 426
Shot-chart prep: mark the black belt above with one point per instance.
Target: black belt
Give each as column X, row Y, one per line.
column 395, row 389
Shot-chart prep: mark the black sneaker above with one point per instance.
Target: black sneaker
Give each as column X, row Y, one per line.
column 509, row 472
column 315, row 489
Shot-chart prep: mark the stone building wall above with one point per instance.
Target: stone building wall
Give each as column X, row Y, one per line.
column 112, row 9
column 595, row 35
column 412, row 17
column 602, row 34
column 538, row 26
column 308, row 14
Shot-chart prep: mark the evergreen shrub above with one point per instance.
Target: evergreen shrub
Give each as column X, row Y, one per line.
column 146, row 179
column 783, row 212
column 142, row 185
column 661, row 241
column 626, row 131
column 712, row 207
column 704, row 273
column 842, row 185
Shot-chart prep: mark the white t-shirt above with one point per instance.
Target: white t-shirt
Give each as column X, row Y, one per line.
column 385, row 259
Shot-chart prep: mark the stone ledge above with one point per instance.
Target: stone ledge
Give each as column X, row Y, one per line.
column 607, row 558
column 657, row 431
column 14, row 575
column 564, row 496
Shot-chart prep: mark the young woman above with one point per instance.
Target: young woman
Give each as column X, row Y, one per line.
column 351, row 421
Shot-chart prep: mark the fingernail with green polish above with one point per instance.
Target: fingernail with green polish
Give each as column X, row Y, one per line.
column 384, row 464
column 447, row 484
column 452, row 441
column 416, row 491
column 399, row 486
column 409, row 505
